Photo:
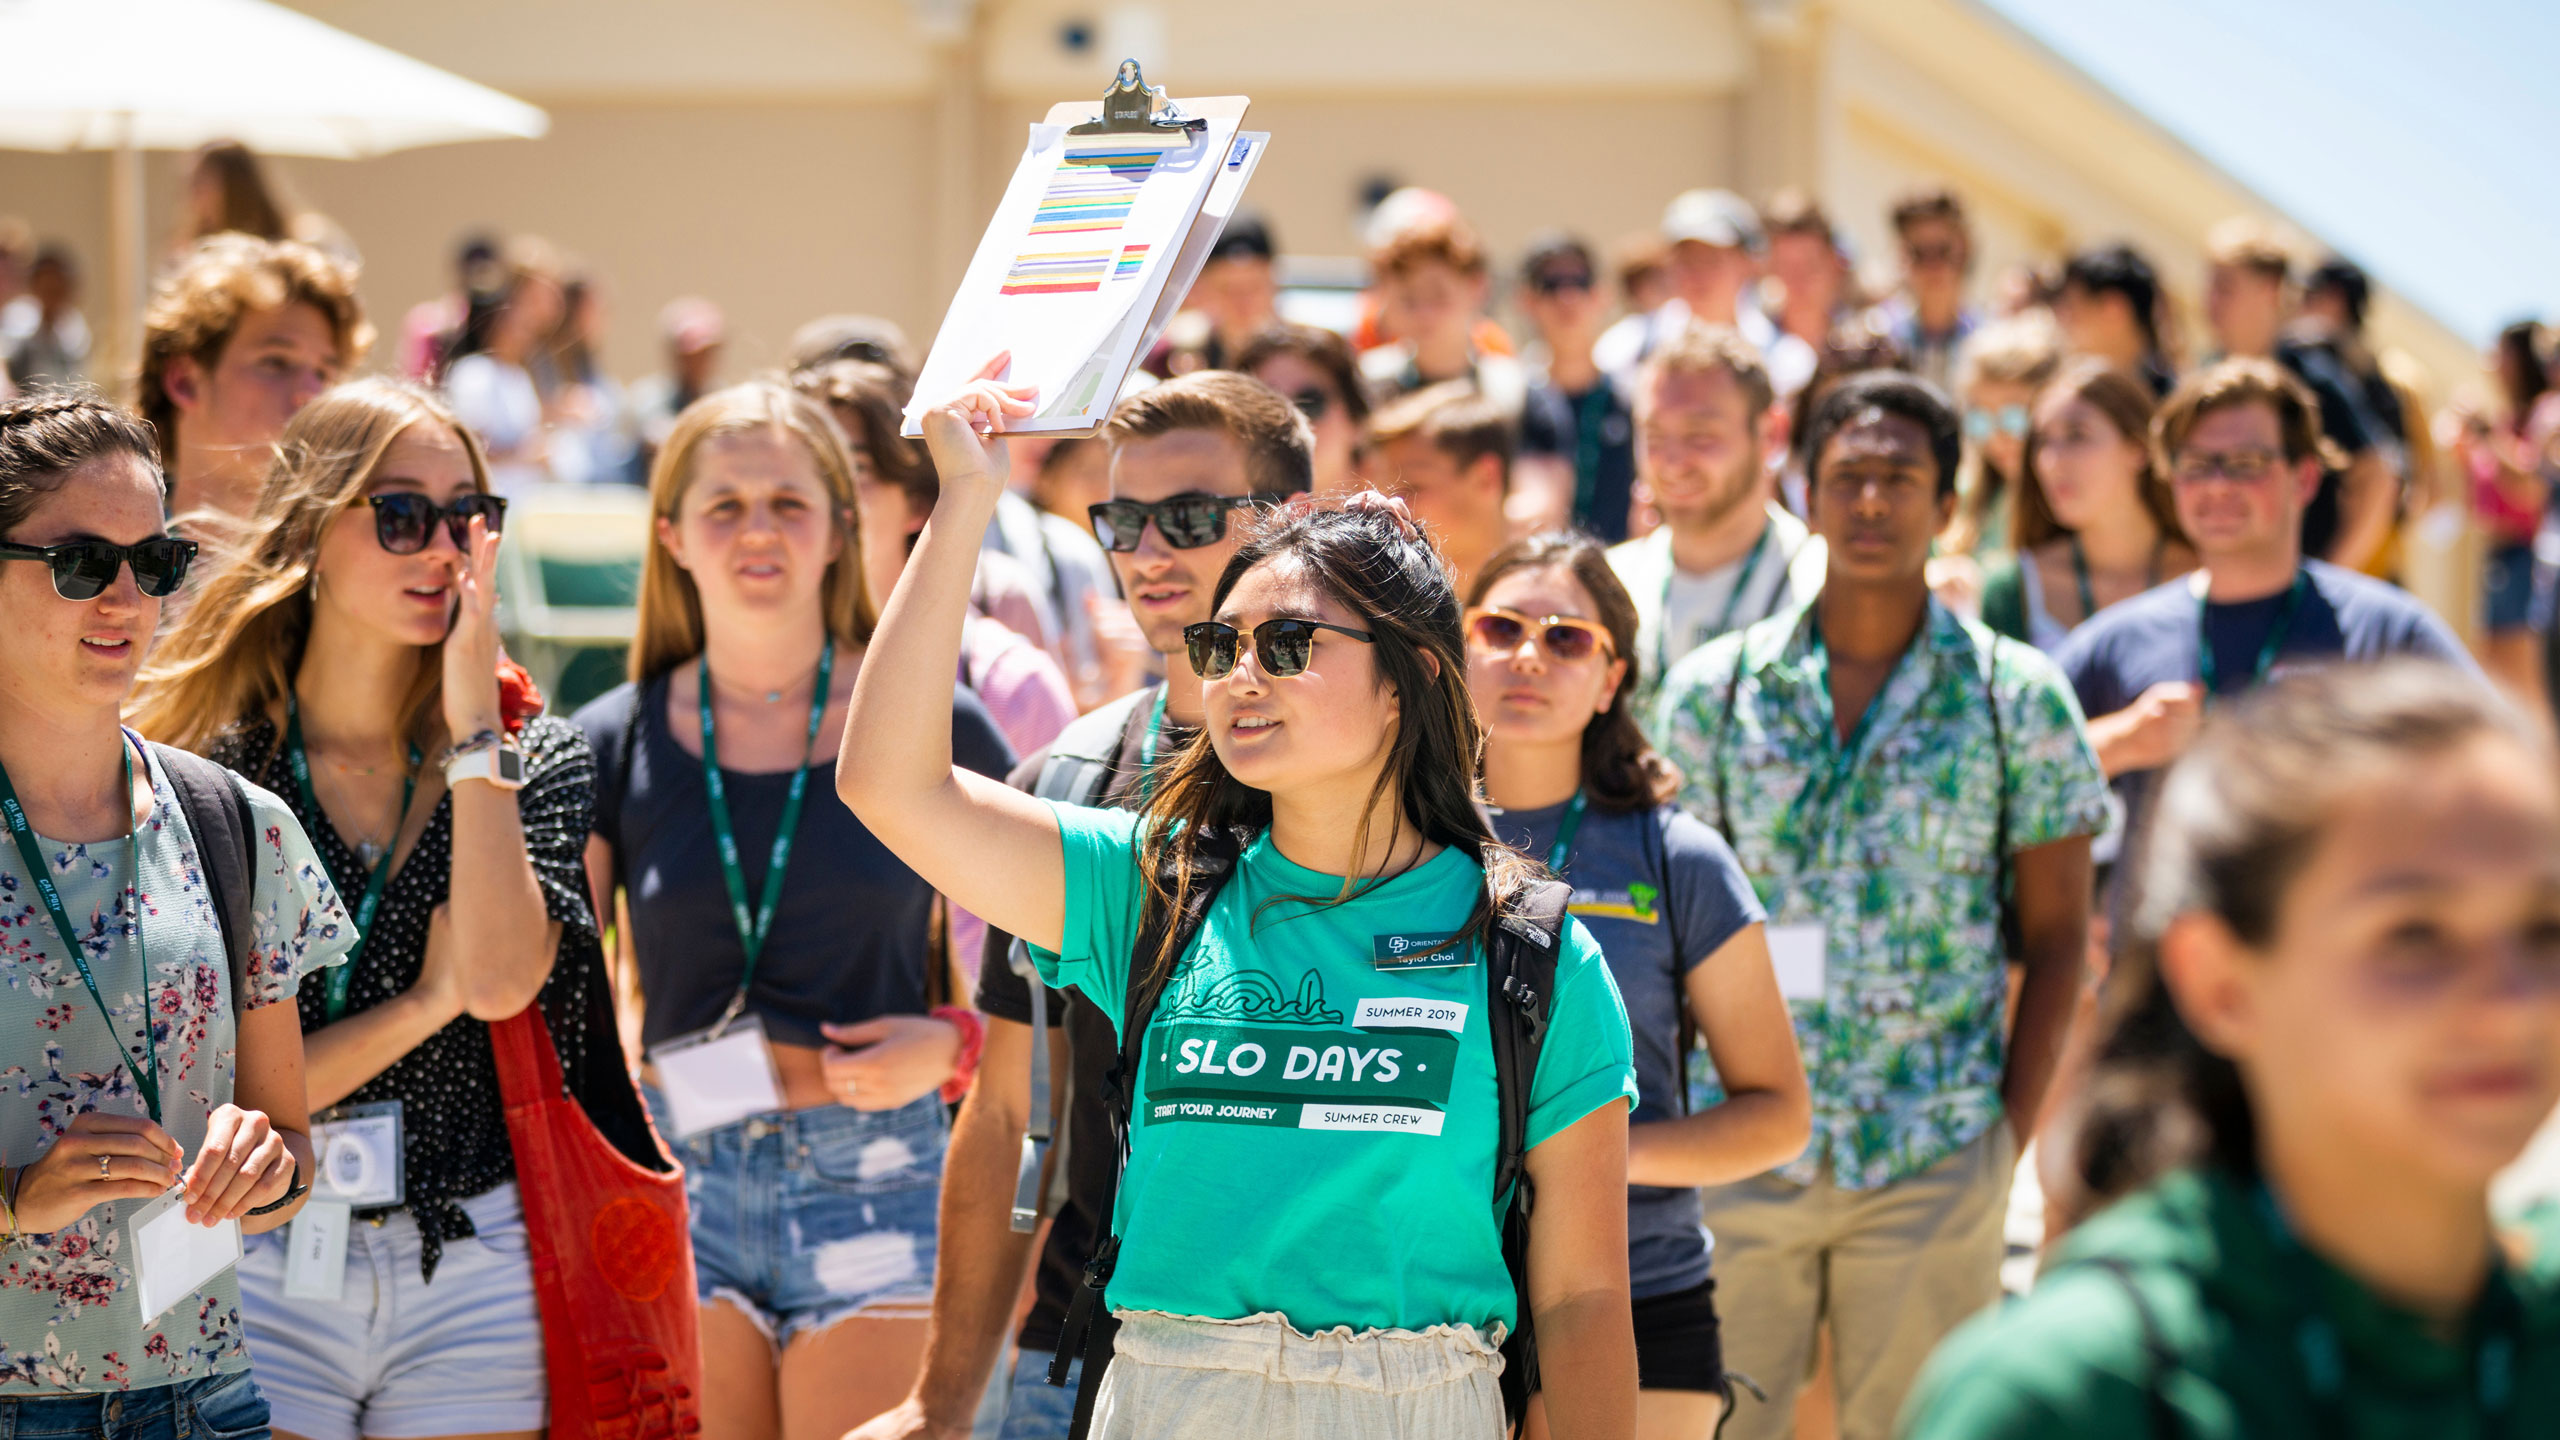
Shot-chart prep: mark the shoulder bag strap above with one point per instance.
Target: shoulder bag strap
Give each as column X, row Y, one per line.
column 217, row 812
column 2159, row 1357
column 1521, row 953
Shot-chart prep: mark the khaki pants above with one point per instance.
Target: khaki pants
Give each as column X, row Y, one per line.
column 1892, row 1270
column 1173, row 1375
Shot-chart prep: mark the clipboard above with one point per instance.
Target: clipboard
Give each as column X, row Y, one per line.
column 1108, row 219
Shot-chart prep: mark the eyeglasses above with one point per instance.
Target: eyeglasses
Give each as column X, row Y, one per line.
column 1187, row 522
column 1560, row 637
column 1981, row 424
column 1283, row 646
column 1553, row 283
column 403, row 521
column 1312, row 403
column 2244, row 467
column 83, row 569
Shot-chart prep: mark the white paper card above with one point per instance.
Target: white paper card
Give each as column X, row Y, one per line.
column 1797, row 952
column 315, row 1257
column 358, row 1152
column 172, row 1259
column 710, row 1082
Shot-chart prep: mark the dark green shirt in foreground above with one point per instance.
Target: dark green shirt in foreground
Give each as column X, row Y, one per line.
column 2229, row 1302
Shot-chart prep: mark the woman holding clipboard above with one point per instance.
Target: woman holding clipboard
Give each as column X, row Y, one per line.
column 781, row 958
column 1306, row 1237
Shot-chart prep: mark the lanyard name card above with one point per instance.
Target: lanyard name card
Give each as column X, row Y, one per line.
column 342, row 977
column 722, row 1075
column 2209, row 670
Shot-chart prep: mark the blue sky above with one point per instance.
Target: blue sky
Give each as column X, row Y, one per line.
column 2423, row 140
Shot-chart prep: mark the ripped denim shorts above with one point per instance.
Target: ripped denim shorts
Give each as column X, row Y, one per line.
column 804, row 1217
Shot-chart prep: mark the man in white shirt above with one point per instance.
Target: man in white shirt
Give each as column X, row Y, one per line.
column 1727, row 555
column 1715, row 244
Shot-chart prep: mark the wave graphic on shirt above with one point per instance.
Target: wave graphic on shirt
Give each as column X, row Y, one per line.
column 1252, row 995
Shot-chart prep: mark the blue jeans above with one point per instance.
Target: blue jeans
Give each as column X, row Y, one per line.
column 804, row 1217
column 1033, row 1408
column 217, row 1407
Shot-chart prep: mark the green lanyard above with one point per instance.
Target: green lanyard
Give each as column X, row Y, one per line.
column 752, row 929
column 1147, row 747
column 2276, row 636
column 342, row 977
column 2080, row 572
column 1662, row 656
column 1591, row 413
column 145, row 1080
column 1566, row 829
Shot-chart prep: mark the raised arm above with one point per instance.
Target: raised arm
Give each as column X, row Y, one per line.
column 991, row 849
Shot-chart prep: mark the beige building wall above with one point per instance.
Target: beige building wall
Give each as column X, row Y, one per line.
column 792, row 157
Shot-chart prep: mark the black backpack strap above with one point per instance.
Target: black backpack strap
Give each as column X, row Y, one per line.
column 1520, row 975
column 1089, row 1327
column 217, row 812
column 2158, row 1355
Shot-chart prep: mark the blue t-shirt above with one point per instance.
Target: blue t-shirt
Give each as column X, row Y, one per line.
column 1660, row 891
column 2127, row 648
column 1316, row 1116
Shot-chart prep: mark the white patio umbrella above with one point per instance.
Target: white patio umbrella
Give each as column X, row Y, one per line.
column 131, row 75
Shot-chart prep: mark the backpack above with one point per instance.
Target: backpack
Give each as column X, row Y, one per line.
column 1520, row 966
column 217, row 811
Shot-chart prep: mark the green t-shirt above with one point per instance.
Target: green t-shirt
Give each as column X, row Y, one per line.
column 1315, row 1125
column 2229, row 1303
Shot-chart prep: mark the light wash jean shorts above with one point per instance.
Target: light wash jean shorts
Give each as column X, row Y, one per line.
column 397, row 1357
column 802, row 1218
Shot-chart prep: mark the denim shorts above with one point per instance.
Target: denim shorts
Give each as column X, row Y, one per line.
column 217, row 1407
column 1027, row 1406
column 804, row 1217
column 397, row 1355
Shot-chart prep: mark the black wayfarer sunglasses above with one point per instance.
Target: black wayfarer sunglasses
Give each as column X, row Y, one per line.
column 83, row 569
column 1187, row 522
column 1283, row 646
column 403, row 521
column 1313, row 403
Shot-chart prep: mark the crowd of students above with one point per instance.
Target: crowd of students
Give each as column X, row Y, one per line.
column 1405, row 888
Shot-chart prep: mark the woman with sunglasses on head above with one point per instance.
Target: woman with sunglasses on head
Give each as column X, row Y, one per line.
column 347, row 658
column 2091, row 522
column 2335, row 1022
column 1305, row 1239
column 1550, row 660
column 139, row 1057
column 1313, row 367
column 782, row 960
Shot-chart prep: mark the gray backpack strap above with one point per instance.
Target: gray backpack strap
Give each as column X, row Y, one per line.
column 1077, row 772
column 217, row 812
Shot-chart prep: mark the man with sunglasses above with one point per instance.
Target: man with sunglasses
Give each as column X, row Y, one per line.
column 1189, row 460
column 1727, row 554
column 2241, row 444
column 1928, row 316
column 1577, row 464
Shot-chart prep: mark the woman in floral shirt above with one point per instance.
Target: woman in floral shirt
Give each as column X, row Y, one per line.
column 131, row 1067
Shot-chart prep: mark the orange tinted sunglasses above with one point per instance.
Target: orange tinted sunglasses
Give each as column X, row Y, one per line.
column 1560, row 637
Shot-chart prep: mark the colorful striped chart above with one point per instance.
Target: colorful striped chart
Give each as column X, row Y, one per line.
column 1133, row 259
column 1087, row 201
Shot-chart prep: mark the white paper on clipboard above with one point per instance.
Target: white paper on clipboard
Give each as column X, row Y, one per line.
column 1073, row 267
column 1226, row 195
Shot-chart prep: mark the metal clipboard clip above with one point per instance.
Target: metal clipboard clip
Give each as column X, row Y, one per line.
column 1133, row 107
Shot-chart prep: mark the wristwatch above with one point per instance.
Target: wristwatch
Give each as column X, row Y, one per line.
column 495, row 761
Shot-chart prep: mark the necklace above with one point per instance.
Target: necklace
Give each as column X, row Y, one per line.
column 770, row 697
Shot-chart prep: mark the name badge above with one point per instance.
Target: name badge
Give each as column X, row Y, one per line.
column 1797, row 953
column 1415, row 952
column 315, row 1249
column 172, row 1259
column 714, row 1079
column 358, row 1148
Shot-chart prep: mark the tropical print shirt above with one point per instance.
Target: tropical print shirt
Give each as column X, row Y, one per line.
column 70, row 1311
column 1889, row 844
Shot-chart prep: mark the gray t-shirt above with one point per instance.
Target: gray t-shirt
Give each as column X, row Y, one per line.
column 1660, row 892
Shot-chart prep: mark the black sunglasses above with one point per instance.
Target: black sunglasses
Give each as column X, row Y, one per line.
column 83, row 569
column 1283, row 646
column 403, row 521
column 1557, row 282
column 1187, row 522
column 1312, row 403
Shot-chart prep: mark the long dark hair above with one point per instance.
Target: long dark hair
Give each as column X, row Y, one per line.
column 2128, row 405
column 2237, row 820
column 1621, row 771
column 1401, row 590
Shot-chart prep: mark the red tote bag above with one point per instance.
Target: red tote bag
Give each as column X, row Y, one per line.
column 612, row 1258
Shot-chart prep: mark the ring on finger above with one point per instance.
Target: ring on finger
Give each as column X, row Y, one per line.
column 102, row 1168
